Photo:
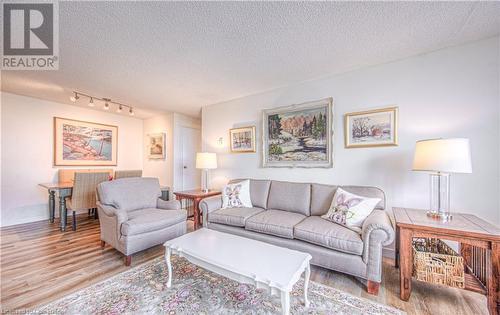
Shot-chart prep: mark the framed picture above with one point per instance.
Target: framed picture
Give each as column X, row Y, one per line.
column 156, row 147
column 84, row 143
column 242, row 139
column 372, row 128
column 298, row 135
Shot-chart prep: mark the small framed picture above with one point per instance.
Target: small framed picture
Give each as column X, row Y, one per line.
column 371, row 128
column 242, row 139
column 156, row 147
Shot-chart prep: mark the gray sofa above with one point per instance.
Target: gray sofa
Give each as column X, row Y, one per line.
column 288, row 214
column 134, row 218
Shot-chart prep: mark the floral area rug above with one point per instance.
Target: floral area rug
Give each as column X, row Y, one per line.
column 143, row 290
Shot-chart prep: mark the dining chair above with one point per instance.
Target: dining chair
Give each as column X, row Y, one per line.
column 83, row 196
column 128, row 173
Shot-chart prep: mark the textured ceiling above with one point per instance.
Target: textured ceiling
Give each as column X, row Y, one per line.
column 180, row 56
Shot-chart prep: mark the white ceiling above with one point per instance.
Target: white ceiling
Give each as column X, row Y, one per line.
column 184, row 55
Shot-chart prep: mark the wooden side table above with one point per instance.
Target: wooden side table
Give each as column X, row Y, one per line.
column 196, row 196
column 479, row 245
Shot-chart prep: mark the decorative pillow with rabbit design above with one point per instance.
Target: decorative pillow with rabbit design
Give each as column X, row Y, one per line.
column 350, row 210
column 237, row 195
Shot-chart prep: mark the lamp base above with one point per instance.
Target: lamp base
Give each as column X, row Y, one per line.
column 441, row 216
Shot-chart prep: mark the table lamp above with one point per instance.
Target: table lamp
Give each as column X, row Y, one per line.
column 206, row 161
column 440, row 157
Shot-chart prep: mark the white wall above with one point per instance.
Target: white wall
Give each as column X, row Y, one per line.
column 448, row 93
column 163, row 169
column 27, row 151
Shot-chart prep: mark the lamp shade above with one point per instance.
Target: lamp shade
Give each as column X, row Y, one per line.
column 206, row 160
column 443, row 155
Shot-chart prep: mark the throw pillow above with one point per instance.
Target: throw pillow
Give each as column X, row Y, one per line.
column 237, row 195
column 350, row 210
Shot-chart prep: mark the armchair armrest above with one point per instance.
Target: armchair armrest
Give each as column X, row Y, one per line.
column 208, row 205
column 110, row 222
column 111, row 211
column 168, row 205
column 377, row 232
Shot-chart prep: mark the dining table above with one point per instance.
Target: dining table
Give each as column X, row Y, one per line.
column 64, row 190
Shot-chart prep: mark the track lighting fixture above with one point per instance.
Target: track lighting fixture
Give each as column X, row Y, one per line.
column 74, row 98
column 107, row 102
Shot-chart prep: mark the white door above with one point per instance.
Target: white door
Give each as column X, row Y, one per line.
column 191, row 139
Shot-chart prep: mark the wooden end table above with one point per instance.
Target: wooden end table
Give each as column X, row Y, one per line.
column 479, row 246
column 196, row 195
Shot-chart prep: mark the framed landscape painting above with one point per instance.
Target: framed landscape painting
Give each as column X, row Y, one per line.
column 378, row 127
column 242, row 139
column 299, row 135
column 84, row 143
column 156, row 148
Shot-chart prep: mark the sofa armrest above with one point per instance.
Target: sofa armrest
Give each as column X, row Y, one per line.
column 168, row 205
column 208, row 205
column 377, row 232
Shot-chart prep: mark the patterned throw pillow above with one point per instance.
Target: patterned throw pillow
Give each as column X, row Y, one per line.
column 237, row 195
column 350, row 210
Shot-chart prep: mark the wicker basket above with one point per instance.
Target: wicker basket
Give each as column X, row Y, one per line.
column 435, row 262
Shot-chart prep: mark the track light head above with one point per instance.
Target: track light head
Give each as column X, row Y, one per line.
column 74, row 98
column 106, row 103
column 106, row 106
column 131, row 111
column 91, row 102
column 120, row 108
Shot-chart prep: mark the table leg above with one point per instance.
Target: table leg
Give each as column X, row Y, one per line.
column 396, row 247
column 285, row 302
column 306, row 285
column 52, row 205
column 405, row 263
column 493, row 280
column 466, row 253
column 169, row 266
column 196, row 213
column 63, row 212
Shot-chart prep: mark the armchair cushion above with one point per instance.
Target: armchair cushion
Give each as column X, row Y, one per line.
column 152, row 219
column 274, row 222
column 233, row 216
column 319, row 231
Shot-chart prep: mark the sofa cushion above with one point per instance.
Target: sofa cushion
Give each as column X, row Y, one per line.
column 259, row 191
column 292, row 197
column 233, row 216
column 151, row 219
column 369, row 192
column 130, row 193
column 319, row 231
column 274, row 222
column 321, row 198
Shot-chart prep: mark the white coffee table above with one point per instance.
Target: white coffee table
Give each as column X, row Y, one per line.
column 243, row 260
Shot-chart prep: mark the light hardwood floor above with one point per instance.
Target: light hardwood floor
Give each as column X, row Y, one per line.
column 40, row 264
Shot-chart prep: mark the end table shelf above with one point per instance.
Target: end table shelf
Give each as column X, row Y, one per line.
column 479, row 246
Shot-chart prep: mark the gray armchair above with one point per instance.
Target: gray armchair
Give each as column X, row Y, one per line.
column 134, row 218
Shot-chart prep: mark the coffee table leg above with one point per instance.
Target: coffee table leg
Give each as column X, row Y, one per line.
column 306, row 285
column 169, row 266
column 285, row 302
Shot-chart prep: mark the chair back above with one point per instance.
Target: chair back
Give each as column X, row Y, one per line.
column 84, row 189
column 128, row 173
column 130, row 194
